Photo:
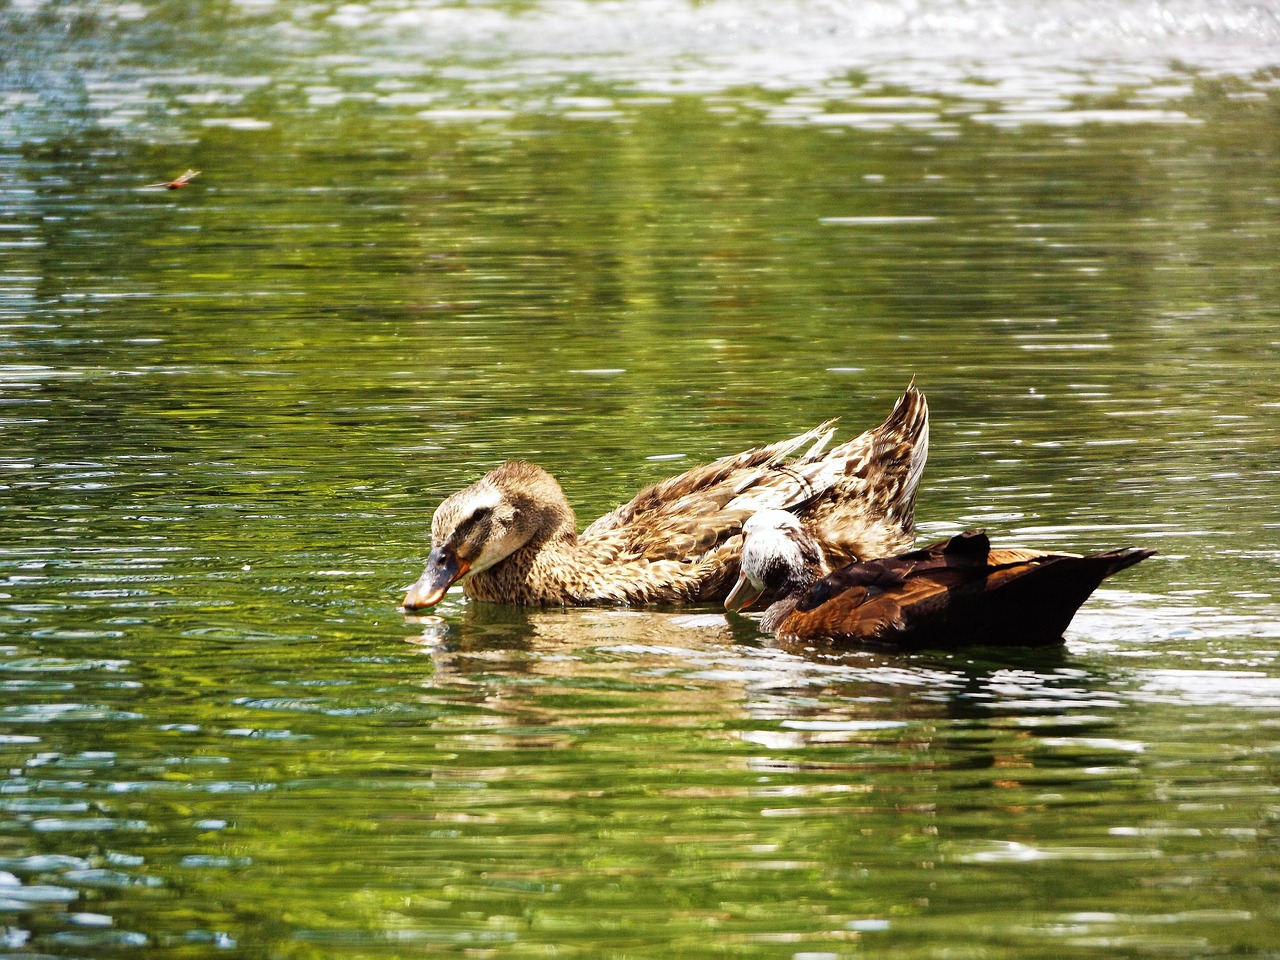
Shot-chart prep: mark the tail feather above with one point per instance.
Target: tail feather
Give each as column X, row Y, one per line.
column 909, row 430
column 891, row 457
column 1040, row 597
column 875, row 494
column 1122, row 559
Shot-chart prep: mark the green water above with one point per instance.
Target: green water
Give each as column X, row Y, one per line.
column 621, row 239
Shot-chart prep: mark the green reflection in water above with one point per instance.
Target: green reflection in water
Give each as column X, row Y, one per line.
column 229, row 410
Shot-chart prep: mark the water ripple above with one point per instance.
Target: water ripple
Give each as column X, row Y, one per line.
column 69, row 712
column 839, row 64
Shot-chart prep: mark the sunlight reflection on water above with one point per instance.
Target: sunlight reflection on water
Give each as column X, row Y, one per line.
column 833, row 63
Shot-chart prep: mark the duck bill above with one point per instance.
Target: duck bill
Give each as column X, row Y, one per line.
column 743, row 594
column 444, row 569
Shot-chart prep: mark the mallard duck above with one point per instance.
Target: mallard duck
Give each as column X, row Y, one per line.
column 511, row 536
column 956, row 592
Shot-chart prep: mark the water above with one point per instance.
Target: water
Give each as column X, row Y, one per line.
column 620, row 239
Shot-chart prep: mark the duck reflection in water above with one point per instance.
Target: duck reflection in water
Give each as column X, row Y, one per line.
column 511, row 537
column 957, row 592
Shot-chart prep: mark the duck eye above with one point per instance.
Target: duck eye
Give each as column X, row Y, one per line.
column 481, row 514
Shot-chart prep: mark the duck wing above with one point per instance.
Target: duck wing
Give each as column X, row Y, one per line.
column 684, row 516
column 857, row 499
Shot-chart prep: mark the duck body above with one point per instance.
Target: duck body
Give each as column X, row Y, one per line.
column 958, row 592
column 511, row 537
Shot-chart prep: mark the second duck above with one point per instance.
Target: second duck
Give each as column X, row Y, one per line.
column 959, row 592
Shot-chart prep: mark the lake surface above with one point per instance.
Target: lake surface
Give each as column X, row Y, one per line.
column 620, row 239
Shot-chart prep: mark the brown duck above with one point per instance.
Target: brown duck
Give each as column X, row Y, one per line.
column 511, row 536
column 957, row 592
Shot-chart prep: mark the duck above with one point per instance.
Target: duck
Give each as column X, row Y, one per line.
column 511, row 537
column 958, row 592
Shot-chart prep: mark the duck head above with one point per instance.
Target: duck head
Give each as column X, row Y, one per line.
column 777, row 555
column 478, row 527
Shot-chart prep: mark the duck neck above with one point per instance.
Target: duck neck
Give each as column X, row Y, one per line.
column 531, row 574
column 569, row 571
column 777, row 612
column 796, row 586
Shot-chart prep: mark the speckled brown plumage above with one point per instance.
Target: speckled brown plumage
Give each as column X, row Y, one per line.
column 511, row 536
column 957, row 592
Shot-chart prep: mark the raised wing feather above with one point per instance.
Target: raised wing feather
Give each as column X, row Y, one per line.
column 857, row 498
column 691, row 513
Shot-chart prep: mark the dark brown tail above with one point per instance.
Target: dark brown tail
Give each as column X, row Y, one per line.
column 1122, row 559
column 1041, row 600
